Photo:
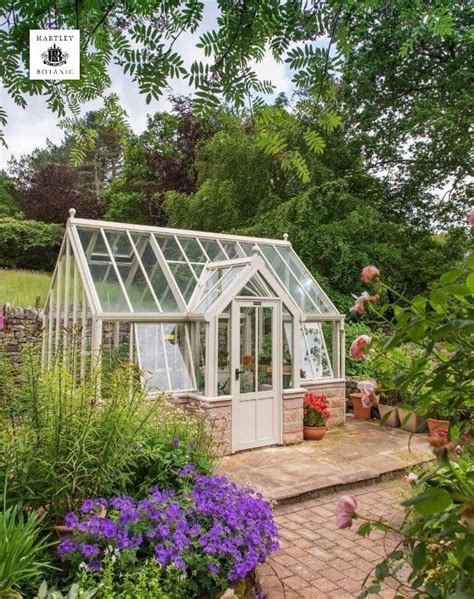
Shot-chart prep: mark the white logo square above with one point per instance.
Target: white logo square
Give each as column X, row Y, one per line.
column 54, row 54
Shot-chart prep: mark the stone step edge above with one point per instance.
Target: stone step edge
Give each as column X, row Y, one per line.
column 337, row 488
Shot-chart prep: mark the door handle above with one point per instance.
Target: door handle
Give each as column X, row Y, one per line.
column 238, row 373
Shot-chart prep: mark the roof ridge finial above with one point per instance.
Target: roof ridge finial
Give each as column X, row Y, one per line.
column 72, row 212
column 285, row 236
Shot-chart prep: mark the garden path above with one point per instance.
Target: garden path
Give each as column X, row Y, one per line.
column 350, row 455
column 317, row 560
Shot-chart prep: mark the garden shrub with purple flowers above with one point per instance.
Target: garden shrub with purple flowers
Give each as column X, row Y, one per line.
column 212, row 533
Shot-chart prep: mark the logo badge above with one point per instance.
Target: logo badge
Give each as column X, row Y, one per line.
column 54, row 54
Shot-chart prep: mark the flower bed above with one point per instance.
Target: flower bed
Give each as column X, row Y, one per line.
column 213, row 533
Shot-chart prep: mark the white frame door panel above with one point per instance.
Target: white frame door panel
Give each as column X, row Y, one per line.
column 256, row 414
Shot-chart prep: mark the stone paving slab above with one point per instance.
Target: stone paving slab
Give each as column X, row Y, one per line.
column 361, row 451
column 317, row 560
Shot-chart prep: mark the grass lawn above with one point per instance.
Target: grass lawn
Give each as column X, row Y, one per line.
column 22, row 287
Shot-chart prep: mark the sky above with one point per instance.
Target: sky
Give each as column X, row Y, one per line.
column 30, row 127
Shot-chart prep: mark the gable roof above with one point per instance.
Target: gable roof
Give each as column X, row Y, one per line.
column 142, row 269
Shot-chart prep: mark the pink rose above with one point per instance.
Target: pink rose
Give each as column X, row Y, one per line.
column 369, row 273
column 345, row 511
column 411, row 478
column 367, row 388
column 358, row 344
column 363, row 299
column 471, row 217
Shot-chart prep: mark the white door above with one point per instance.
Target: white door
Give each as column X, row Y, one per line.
column 256, row 373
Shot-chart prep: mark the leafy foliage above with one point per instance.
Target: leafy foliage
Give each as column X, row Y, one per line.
column 29, row 244
column 23, row 555
column 407, row 97
column 437, row 535
column 49, row 181
column 159, row 160
column 440, row 324
column 9, row 205
column 384, row 69
column 64, row 440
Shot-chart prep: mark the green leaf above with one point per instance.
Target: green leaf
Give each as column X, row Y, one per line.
column 419, row 556
column 382, row 570
column 438, row 299
column 364, row 529
column 470, row 282
column 450, row 276
column 314, row 141
column 431, row 502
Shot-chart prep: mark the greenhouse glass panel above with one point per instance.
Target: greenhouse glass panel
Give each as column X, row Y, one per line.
column 213, row 249
column 232, row 250
column 132, row 274
column 306, row 281
column 156, row 274
column 198, row 345
column 101, row 267
column 287, row 325
column 221, row 285
column 287, row 279
column 223, row 353
column 194, row 253
column 314, row 359
column 164, row 355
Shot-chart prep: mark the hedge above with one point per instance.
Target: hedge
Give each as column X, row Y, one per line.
column 29, row 244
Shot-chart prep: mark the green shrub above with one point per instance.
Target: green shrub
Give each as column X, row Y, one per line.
column 437, row 535
column 66, row 441
column 29, row 244
column 23, row 556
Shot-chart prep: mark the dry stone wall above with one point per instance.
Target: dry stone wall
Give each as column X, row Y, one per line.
column 19, row 327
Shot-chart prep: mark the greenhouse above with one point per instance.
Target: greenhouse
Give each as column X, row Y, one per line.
column 230, row 322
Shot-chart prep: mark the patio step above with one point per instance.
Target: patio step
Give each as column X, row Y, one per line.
column 359, row 453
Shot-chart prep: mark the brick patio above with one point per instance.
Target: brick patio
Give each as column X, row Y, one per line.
column 319, row 561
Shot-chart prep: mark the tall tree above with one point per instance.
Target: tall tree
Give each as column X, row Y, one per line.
column 409, row 57
column 161, row 159
column 339, row 220
column 9, row 205
column 47, row 184
column 407, row 90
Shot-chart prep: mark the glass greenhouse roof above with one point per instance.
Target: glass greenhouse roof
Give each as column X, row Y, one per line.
column 141, row 269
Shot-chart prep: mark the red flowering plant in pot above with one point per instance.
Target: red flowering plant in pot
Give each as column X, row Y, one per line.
column 315, row 414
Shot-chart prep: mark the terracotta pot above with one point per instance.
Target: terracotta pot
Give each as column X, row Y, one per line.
column 360, row 411
column 392, row 419
column 314, row 433
column 414, row 424
column 434, row 424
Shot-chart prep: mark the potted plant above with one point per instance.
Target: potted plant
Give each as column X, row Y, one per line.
column 437, row 417
column 315, row 414
column 365, row 400
column 361, row 412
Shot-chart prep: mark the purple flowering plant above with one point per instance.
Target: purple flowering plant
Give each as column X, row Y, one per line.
column 213, row 531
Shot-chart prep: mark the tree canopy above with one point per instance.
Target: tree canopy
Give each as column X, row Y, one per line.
column 397, row 71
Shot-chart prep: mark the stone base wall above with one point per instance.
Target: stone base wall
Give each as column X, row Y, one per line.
column 336, row 394
column 19, row 327
column 219, row 413
column 293, row 416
